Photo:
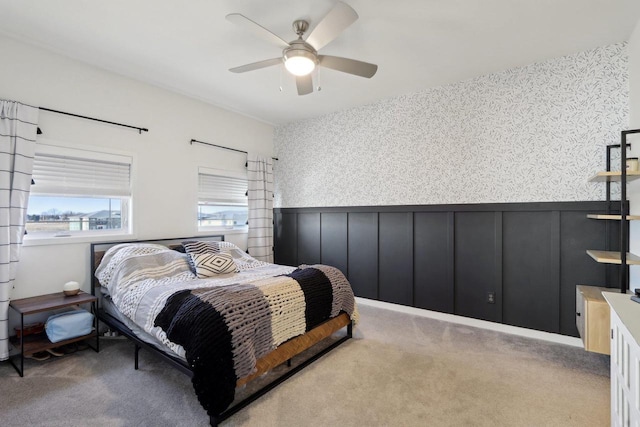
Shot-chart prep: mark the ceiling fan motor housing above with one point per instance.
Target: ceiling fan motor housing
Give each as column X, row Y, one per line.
column 300, row 48
column 300, row 27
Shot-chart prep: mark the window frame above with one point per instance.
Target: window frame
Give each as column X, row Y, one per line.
column 86, row 152
column 202, row 170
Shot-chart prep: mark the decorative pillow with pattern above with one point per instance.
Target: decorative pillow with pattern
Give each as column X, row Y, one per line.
column 193, row 247
column 210, row 264
column 200, row 247
column 243, row 260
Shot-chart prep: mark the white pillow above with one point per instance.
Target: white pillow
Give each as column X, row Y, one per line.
column 211, row 264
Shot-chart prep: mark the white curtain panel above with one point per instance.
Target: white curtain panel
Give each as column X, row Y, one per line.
column 18, row 128
column 260, row 176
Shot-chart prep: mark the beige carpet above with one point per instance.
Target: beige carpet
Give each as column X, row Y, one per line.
column 400, row 370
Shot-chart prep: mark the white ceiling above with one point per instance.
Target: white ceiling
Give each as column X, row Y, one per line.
column 188, row 46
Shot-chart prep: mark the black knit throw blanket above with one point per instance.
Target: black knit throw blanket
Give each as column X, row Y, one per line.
column 225, row 328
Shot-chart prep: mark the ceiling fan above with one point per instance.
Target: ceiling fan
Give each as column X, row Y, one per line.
column 300, row 57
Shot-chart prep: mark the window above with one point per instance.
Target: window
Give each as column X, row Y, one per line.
column 78, row 192
column 222, row 200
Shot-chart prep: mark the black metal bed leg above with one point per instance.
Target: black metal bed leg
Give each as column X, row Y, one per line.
column 350, row 329
column 137, row 347
column 289, row 363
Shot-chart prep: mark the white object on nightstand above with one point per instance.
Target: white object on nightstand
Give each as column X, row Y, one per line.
column 71, row 288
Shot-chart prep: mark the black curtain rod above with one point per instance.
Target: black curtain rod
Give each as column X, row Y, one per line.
column 139, row 129
column 223, row 147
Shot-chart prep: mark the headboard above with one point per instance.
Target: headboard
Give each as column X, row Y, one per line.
column 99, row 249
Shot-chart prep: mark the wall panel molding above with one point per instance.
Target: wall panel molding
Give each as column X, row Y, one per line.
column 449, row 258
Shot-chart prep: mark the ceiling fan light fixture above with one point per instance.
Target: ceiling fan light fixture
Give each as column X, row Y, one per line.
column 299, row 62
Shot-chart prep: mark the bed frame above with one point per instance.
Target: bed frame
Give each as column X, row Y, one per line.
column 284, row 353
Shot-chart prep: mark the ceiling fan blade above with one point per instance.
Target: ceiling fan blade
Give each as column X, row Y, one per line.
column 304, row 84
column 330, row 27
column 346, row 65
column 256, row 65
column 256, row 28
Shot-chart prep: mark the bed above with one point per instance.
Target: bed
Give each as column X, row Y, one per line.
column 217, row 314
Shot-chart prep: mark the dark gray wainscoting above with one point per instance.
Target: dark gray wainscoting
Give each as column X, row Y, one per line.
column 514, row 263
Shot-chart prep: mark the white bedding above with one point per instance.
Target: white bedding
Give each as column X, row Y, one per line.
column 141, row 277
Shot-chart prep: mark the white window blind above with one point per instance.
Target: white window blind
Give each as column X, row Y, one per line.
column 74, row 172
column 224, row 190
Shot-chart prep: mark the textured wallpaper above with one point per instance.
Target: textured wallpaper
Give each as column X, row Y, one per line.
column 535, row 133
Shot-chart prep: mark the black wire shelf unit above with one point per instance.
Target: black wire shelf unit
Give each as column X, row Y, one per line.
column 621, row 256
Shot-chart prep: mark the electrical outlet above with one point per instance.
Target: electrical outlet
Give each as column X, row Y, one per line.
column 491, row 297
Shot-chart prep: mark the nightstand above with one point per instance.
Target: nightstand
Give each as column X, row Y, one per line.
column 31, row 344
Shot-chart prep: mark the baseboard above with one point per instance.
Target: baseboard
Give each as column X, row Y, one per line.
column 477, row 323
